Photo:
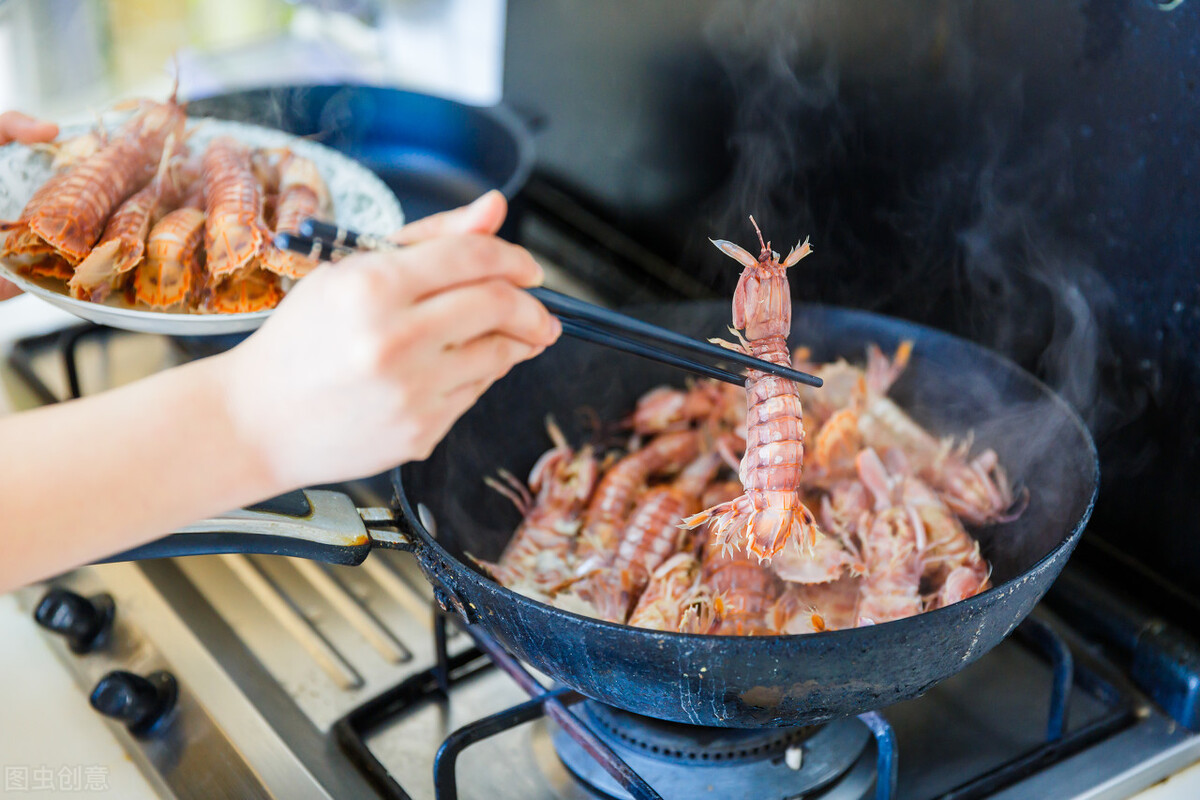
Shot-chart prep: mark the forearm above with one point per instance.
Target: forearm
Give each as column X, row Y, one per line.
column 92, row 477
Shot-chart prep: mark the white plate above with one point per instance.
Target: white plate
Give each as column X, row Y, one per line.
column 361, row 201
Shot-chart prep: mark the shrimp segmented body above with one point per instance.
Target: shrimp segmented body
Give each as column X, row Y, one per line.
column 172, row 266
column 234, row 231
column 976, row 488
column 745, row 592
column 302, row 194
column 248, row 289
column 771, row 513
column 674, row 599
column 893, row 544
column 72, row 217
column 614, row 496
column 123, row 243
column 21, row 242
column 562, row 480
column 653, row 534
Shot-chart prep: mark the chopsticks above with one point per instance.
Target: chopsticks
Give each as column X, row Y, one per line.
column 324, row 242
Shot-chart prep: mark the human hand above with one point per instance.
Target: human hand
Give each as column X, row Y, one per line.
column 15, row 126
column 368, row 363
column 25, row 129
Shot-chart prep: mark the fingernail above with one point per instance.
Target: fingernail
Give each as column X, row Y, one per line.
column 483, row 200
column 555, row 327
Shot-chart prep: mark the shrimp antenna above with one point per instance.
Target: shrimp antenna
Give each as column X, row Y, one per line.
column 175, row 88
column 766, row 248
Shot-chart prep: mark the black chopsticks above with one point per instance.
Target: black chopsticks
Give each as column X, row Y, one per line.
column 585, row 332
column 584, row 321
column 564, row 306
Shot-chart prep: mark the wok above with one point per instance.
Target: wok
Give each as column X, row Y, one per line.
column 444, row 512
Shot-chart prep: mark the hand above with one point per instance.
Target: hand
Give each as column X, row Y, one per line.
column 25, row 129
column 15, row 126
column 367, row 363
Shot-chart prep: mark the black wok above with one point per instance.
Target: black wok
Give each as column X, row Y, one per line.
column 952, row 386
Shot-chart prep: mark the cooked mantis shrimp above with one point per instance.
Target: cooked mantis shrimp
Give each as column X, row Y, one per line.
column 117, row 220
column 887, row 535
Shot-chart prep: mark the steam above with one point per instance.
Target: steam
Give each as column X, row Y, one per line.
column 929, row 205
column 1033, row 294
column 766, row 55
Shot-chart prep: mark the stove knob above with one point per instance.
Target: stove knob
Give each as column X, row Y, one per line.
column 141, row 703
column 84, row 621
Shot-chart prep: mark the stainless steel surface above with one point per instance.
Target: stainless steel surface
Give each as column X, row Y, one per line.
column 360, row 200
column 213, row 723
column 331, row 637
column 379, row 515
column 334, row 520
column 291, row 620
column 1118, row 767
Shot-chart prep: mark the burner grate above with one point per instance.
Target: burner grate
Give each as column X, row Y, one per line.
column 24, row 351
column 433, row 684
column 1060, row 743
column 352, row 730
column 589, row 724
column 686, row 761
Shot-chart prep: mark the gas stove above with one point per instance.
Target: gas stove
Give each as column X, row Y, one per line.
column 256, row 676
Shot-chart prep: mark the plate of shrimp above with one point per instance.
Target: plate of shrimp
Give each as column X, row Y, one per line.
column 160, row 223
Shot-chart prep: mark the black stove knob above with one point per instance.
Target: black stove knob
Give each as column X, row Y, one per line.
column 141, row 703
column 84, row 621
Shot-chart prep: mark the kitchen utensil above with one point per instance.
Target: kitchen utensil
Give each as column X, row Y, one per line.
column 580, row 320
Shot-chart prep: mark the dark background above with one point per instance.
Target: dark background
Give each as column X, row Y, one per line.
column 1019, row 173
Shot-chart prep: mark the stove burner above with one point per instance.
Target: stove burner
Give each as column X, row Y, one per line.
column 684, row 761
column 679, row 742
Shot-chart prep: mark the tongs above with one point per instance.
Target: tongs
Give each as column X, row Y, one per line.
column 322, row 241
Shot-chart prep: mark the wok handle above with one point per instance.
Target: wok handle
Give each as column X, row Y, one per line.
column 315, row 524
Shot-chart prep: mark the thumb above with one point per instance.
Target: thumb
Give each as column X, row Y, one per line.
column 485, row 215
column 25, row 129
column 8, row 290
